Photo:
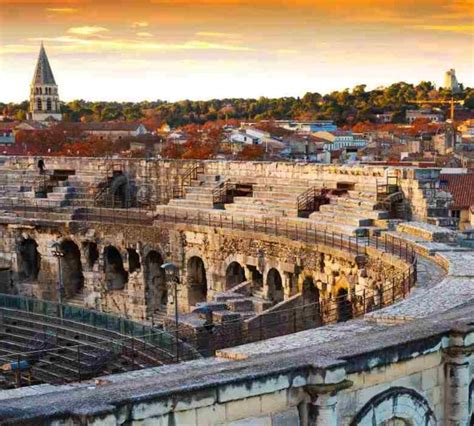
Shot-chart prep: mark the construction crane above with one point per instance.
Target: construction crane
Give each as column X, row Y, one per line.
column 451, row 102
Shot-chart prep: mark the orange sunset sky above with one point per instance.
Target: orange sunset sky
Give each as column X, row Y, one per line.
column 176, row 49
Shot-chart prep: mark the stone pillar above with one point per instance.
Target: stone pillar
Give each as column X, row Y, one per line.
column 456, row 387
column 287, row 285
column 323, row 410
column 323, row 406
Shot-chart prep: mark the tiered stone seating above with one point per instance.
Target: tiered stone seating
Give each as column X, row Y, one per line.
column 74, row 349
column 353, row 213
column 271, row 197
column 199, row 195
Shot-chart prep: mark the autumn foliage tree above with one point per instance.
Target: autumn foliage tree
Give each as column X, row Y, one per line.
column 251, row 153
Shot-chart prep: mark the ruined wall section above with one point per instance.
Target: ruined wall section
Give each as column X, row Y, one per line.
column 329, row 268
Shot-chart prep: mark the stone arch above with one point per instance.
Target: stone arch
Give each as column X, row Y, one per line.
column 275, row 286
column 156, row 291
column 133, row 260
column 311, row 301
column 29, row 260
column 115, row 275
column 121, row 191
column 71, row 268
column 256, row 276
column 196, row 280
column 344, row 305
column 471, row 401
column 396, row 406
column 234, row 275
column 91, row 253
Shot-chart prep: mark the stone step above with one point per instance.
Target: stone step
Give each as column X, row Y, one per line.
column 340, row 218
column 191, row 203
column 356, row 211
column 265, row 202
column 354, row 202
column 240, row 305
column 364, row 195
column 261, row 209
column 339, row 228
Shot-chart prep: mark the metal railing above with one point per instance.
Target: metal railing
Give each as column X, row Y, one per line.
column 148, row 342
column 189, row 175
column 224, row 193
column 294, row 230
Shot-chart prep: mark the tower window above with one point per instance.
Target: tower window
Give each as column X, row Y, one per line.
column 48, row 104
column 38, row 103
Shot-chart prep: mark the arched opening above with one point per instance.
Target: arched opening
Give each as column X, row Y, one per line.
column 115, row 275
column 120, row 190
column 38, row 104
column 386, row 409
column 92, row 253
column 48, row 104
column 197, row 281
column 312, row 308
column 395, row 421
column 256, row 277
column 234, row 274
column 275, row 286
column 155, row 283
column 29, row 260
column 344, row 305
column 133, row 260
column 71, row 268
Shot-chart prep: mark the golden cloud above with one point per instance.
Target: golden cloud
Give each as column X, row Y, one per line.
column 87, row 30
column 61, row 10
column 144, row 34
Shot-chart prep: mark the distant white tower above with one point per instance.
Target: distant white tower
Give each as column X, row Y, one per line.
column 451, row 82
column 44, row 98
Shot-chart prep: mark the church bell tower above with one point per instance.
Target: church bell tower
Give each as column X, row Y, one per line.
column 44, row 98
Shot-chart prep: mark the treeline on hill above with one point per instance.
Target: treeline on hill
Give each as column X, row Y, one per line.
column 344, row 107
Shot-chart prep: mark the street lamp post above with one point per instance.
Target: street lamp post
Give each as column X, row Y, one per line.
column 172, row 281
column 58, row 253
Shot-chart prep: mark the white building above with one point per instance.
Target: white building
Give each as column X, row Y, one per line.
column 341, row 140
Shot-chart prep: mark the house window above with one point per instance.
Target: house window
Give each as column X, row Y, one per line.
column 38, row 104
column 48, row 104
column 456, row 213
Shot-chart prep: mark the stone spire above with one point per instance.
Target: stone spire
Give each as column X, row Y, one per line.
column 44, row 98
column 43, row 73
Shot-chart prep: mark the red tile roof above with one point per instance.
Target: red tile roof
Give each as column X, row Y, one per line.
column 461, row 186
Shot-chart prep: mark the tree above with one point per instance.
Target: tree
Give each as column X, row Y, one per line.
column 251, row 153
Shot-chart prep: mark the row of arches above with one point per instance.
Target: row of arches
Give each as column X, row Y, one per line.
column 46, row 91
column 45, row 106
column 116, row 275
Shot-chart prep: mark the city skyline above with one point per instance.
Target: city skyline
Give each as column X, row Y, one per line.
column 148, row 50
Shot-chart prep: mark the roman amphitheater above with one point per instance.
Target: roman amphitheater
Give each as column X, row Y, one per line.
column 145, row 292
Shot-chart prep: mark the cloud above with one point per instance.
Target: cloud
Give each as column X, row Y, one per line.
column 8, row 49
column 78, row 44
column 463, row 29
column 216, row 34
column 144, row 34
column 61, row 10
column 140, row 24
column 87, row 30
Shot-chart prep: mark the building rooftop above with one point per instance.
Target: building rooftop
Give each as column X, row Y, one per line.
column 461, row 186
column 43, row 74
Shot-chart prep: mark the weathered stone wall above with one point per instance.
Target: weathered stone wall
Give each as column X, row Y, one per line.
column 403, row 374
column 329, row 268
